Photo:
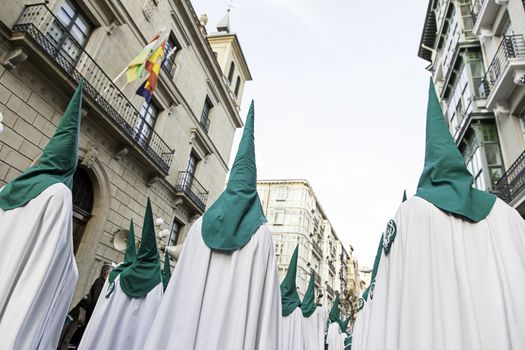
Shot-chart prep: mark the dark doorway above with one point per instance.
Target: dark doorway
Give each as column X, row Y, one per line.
column 82, row 204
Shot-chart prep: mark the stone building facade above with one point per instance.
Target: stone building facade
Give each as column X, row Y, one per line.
column 295, row 216
column 174, row 151
column 476, row 51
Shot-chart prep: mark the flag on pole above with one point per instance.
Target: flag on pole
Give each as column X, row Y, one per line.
column 152, row 65
column 136, row 67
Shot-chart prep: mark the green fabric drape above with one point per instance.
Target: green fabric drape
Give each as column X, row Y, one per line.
column 57, row 163
column 289, row 296
column 144, row 273
column 344, row 324
column 129, row 255
column 335, row 313
column 237, row 214
column 309, row 305
column 445, row 181
column 166, row 271
column 404, row 196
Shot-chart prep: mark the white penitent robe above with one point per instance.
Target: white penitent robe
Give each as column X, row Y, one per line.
column 292, row 330
column 334, row 340
column 448, row 283
column 38, row 270
column 314, row 329
column 221, row 300
column 121, row 322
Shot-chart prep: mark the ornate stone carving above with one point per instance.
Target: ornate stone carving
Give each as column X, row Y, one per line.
column 12, row 58
column 90, row 156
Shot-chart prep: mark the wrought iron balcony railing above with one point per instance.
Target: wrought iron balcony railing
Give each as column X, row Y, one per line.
column 512, row 184
column 317, row 248
column 332, row 267
column 43, row 27
column 188, row 184
column 317, row 278
column 511, row 47
column 329, row 290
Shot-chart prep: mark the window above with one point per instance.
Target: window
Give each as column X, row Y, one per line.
column 476, row 169
column 192, row 163
column 71, row 32
column 205, row 115
column 492, row 152
column 190, row 171
column 237, row 86
column 278, row 217
column 175, row 232
column 145, row 124
column 280, row 193
column 170, row 51
column 231, row 71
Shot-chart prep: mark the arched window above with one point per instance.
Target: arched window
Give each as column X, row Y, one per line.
column 231, row 71
column 237, row 86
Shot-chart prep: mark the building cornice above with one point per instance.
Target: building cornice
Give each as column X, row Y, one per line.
column 428, row 35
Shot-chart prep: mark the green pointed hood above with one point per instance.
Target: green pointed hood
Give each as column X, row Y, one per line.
column 129, row 255
column 344, row 324
column 144, row 273
column 404, row 196
column 308, row 305
column 237, row 214
column 57, row 163
column 289, row 296
column 334, row 315
column 445, row 181
column 166, row 271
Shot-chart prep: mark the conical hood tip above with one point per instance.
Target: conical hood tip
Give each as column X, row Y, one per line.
column 334, row 314
column 237, row 214
column 244, row 168
column 148, row 245
column 308, row 305
column 131, row 249
column 289, row 296
column 445, row 181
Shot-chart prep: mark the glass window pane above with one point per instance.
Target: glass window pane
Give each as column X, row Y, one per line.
column 493, row 154
column 83, row 25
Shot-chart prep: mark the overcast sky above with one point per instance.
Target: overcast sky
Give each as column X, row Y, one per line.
column 340, row 100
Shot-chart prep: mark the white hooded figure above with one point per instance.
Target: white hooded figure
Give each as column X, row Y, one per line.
column 224, row 290
column 314, row 319
column 129, row 301
column 335, row 334
column 37, row 264
column 451, row 273
column 292, row 316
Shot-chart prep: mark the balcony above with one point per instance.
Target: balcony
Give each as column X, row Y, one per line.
column 317, row 278
column 485, row 14
column 332, row 267
column 330, row 291
column 317, row 249
column 188, row 186
column 505, row 72
column 36, row 30
column 511, row 186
